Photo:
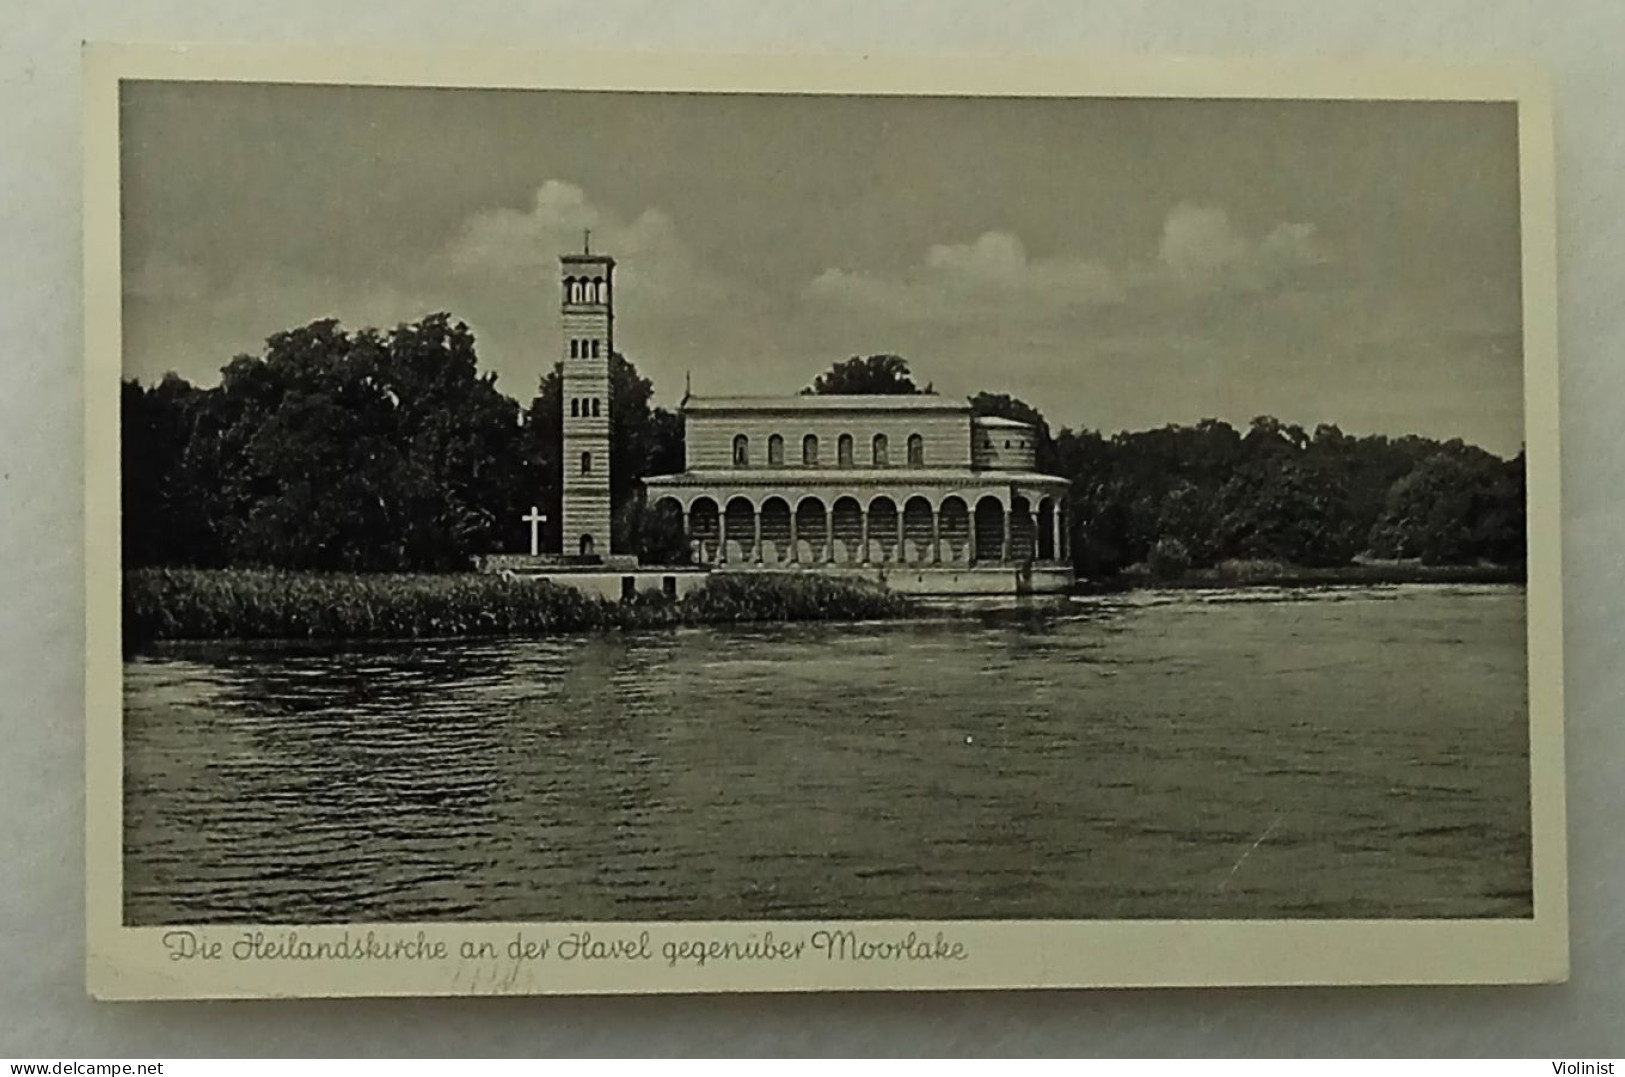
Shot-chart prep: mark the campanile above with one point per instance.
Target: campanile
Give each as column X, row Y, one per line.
column 588, row 318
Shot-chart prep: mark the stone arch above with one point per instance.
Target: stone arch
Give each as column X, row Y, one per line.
column 989, row 529
column 1046, row 530
column 569, row 289
column 846, row 528
column 739, row 530
column 1023, row 530
column 955, row 525
column 883, row 521
column 812, row 531
column 775, row 530
column 704, row 525
column 775, row 451
column 917, row 545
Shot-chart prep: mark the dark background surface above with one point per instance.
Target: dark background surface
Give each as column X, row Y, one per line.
column 43, row 1007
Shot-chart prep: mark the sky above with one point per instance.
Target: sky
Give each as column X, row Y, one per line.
column 1118, row 263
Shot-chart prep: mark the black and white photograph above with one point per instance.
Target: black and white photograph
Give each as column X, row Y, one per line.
column 633, row 508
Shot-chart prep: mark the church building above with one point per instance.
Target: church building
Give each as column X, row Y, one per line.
column 915, row 491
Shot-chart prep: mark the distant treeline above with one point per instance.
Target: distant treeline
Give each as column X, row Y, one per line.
column 391, row 451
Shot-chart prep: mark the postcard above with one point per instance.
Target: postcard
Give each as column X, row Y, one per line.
column 636, row 524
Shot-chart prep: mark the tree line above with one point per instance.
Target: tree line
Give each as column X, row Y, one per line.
column 391, row 451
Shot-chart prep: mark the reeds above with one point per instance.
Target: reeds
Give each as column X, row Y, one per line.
column 256, row 604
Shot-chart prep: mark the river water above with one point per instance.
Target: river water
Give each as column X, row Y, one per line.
column 1357, row 752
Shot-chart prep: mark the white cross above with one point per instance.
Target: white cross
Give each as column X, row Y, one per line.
column 535, row 519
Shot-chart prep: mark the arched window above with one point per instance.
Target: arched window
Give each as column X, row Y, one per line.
column 575, row 408
column 880, row 450
column 775, row 451
column 843, row 450
column 586, row 463
column 809, row 450
column 595, row 407
column 595, row 349
column 597, row 291
column 569, row 289
column 916, row 451
column 741, row 451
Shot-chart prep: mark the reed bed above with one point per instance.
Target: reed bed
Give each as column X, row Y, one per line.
column 254, row 604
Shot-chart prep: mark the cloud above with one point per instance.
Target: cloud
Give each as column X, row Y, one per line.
column 966, row 281
column 651, row 257
column 1201, row 249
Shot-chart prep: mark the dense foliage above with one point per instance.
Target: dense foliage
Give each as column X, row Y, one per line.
column 363, row 451
column 257, row 604
column 334, row 450
column 391, row 452
column 885, row 375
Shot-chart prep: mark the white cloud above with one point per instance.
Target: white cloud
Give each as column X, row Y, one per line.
column 964, row 281
column 1201, row 248
column 651, row 257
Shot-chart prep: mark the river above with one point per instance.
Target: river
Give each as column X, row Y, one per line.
column 1323, row 753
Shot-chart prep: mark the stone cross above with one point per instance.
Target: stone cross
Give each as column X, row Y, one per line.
column 535, row 519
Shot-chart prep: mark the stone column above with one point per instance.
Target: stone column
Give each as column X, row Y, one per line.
column 1004, row 551
column 795, row 554
column 722, row 536
column 936, row 536
column 970, row 539
column 829, row 534
column 863, row 543
column 756, row 533
column 1055, row 518
column 902, row 513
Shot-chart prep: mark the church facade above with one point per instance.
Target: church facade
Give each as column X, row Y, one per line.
column 916, row 491
column 862, row 481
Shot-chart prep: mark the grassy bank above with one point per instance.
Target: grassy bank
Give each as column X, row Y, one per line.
column 1280, row 574
column 247, row 604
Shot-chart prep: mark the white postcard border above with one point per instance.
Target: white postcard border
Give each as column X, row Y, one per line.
column 143, row 963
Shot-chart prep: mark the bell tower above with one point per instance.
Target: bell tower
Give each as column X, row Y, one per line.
column 588, row 318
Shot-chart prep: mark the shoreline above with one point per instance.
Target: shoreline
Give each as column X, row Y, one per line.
column 1243, row 576
column 255, row 606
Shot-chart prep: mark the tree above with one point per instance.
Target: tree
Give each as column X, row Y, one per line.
column 879, row 374
column 1455, row 508
column 1288, row 508
column 332, row 450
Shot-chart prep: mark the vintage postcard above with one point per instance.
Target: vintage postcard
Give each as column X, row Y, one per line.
column 633, row 524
